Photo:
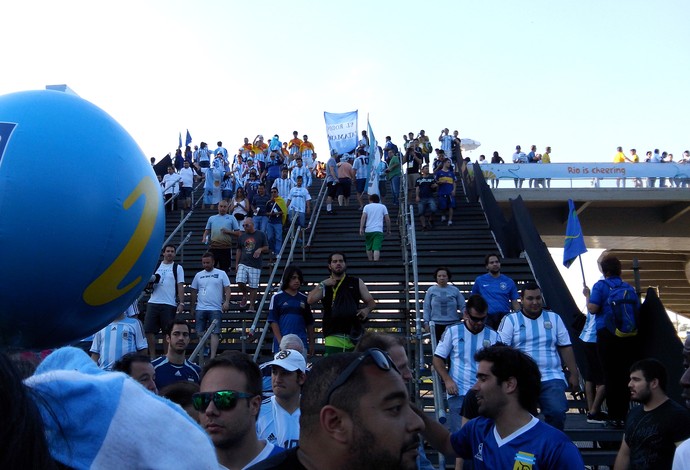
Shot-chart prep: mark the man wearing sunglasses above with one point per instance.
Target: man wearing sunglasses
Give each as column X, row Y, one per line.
column 228, row 403
column 506, row 435
column 460, row 342
column 355, row 414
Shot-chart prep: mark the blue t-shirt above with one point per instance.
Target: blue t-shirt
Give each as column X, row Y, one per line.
column 536, row 446
column 599, row 296
column 292, row 313
column 445, row 180
column 497, row 291
column 168, row 373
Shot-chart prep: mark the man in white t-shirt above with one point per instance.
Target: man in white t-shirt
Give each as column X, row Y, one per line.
column 278, row 421
column 374, row 215
column 171, row 186
column 187, row 176
column 167, row 298
column 208, row 289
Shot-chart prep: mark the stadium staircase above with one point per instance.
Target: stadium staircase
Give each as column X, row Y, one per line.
column 460, row 247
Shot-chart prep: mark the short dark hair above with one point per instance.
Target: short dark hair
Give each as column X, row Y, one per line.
column 488, row 257
column 478, row 303
column 169, row 327
column 610, row 266
column 507, row 362
column 652, row 369
column 288, row 273
column 315, row 390
column 374, row 198
column 443, row 268
column 208, row 254
column 180, row 392
column 330, row 257
column 174, row 247
column 382, row 341
column 242, row 362
column 124, row 364
column 529, row 286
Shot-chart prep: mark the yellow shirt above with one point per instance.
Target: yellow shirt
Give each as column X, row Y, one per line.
column 546, row 158
column 619, row 158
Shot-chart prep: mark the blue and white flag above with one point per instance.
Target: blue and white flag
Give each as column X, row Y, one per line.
column 341, row 129
column 188, row 140
column 574, row 240
column 374, row 160
column 179, row 140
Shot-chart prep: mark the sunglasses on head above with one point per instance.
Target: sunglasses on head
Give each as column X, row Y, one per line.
column 224, row 400
column 378, row 357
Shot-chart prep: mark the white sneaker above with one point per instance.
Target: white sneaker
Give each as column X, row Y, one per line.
column 450, row 222
column 443, row 218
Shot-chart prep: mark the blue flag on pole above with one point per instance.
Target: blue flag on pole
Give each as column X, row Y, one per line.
column 574, row 240
column 179, row 141
column 188, row 140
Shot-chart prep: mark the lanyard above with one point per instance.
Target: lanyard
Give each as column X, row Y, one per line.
column 335, row 290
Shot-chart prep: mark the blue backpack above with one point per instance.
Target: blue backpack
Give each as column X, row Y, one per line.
column 624, row 305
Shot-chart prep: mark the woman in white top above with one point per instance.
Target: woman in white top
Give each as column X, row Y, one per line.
column 240, row 206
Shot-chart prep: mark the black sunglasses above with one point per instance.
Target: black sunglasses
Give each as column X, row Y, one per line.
column 224, row 400
column 477, row 319
column 380, row 360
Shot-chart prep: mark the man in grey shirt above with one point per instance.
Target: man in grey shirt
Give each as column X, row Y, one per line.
column 252, row 244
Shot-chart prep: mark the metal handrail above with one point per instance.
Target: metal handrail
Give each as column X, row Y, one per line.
column 202, row 340
column 317, row 212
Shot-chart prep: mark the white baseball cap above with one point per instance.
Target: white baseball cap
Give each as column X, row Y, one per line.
column 290, row 360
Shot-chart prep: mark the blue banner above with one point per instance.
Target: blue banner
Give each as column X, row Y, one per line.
column 585, row 170
column 341, row 129
column 179, row 141
column 188, row 140
column 574, row 241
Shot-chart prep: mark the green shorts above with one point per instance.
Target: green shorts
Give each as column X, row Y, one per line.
column 374, row 241
column 338, row 344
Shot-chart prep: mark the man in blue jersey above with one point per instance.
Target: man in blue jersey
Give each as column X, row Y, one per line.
column 506, row 435
column 499, row 291
column 174, row 367
column 289, row 311
column 124, row 335
column 460, row 342
column 543, row 336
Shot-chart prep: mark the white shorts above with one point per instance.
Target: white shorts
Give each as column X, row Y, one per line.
column 248, row 275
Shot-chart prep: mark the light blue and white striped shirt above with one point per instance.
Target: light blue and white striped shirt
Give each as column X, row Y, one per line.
column 304, row 173
column 539, row 338
column 460, row 344
column 117, row 339
column 284, row 186
column 589, row 332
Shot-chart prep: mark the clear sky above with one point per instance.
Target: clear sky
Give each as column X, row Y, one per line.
column 581, row 76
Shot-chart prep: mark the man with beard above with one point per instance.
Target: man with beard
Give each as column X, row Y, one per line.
column 174, row 367
column 652, row 430
column 542, row 335
column 228, row 404
column 355, row 415
column 340, row 297
column 278, row 421
column 499, row 291
column 506, row 435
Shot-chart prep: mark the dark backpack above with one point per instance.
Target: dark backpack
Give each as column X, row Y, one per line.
column 622, row 301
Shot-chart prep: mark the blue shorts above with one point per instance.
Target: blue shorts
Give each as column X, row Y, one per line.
column 185, row 192
column 446, row 201
column 204, row 318
column 426, row 206
column 361, row 185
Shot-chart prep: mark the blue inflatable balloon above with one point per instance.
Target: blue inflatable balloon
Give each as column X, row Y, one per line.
column 81, row 219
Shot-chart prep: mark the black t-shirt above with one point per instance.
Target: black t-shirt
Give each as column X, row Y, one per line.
column 651, row 435
column 424, row 184
column 336, row 319
column 284, row 461
column 411, row 159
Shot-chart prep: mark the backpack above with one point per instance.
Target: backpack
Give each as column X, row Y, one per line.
column 428, row 147
column 622, row 301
